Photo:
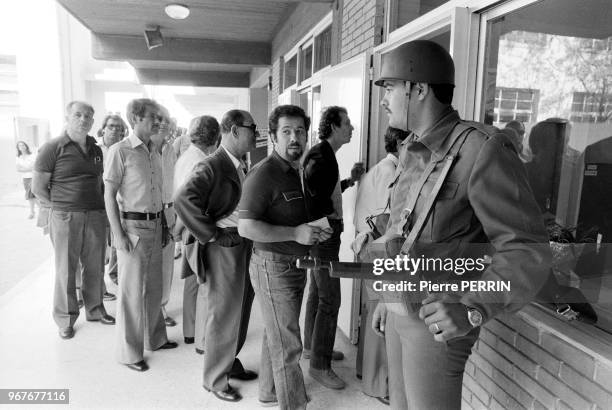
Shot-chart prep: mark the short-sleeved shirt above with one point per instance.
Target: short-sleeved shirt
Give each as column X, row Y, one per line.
column 373, row 192
column 76, row 176
column 272, row 193
column 137, row 169
column 185, row 164
column 168, row 162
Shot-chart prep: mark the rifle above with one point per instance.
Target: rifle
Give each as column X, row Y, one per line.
column 350, row 270
column 337, row 269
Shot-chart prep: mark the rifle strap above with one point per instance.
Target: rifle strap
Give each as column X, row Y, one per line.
column 448, row 161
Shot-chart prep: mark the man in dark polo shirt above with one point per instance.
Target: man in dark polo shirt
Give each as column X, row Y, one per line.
column 68, row 176
column 273, row 214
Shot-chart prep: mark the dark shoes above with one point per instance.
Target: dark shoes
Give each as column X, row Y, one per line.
column 336, row 355
column 383, row 400
column 268, row 403
column 168, row 345
column 106, row 319
column 169, row 321
column 108, row 296
column 189, row 340
column 245, row 375
column 66, row 332
column 141, row 366
column 328, row 378
column 199, row 351
column 228, row 394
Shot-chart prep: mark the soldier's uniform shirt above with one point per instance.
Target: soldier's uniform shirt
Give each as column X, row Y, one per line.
column 484, row 206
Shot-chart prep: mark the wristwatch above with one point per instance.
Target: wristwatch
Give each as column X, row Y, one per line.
column 474, row 317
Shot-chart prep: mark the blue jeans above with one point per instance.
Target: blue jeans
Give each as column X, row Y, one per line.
column 423, row 373
column 279, row 287
column 323, row 304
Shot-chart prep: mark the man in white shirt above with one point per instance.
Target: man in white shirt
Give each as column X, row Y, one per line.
column 372, row 200
column 168, row 157
column 112, row 131
column 204, row 135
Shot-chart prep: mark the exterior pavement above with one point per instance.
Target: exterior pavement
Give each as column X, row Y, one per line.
column 33, row 356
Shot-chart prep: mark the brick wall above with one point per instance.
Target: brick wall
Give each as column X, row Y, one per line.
column 518, row 365
column 362, row 23
column 273, row 94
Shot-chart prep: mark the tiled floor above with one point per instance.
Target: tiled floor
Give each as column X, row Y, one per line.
column 33, row 356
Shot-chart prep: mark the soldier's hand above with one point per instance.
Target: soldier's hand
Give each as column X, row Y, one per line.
column 379, row 319
column 445, row 317
column 306, row 234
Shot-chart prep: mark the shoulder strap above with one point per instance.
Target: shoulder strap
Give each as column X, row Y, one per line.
column 448, row 160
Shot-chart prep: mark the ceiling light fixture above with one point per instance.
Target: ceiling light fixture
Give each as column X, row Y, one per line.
column 177, row 11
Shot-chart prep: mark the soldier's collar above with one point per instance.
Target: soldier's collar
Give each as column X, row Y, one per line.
column 436, row 138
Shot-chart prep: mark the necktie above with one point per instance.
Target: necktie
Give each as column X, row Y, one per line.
column 242, row 170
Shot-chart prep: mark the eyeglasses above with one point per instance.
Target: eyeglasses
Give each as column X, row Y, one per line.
column 252, row 127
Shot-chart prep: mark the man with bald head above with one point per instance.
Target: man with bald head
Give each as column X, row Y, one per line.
column 68, row 177
column 207, row 205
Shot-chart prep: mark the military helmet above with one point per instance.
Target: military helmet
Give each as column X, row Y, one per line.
column 421, row 61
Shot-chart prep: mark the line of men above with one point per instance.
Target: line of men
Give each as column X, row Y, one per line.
column 456, row 183
column 136, row 203
column 69, row 179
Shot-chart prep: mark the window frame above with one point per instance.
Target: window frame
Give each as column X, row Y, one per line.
column 315, row 78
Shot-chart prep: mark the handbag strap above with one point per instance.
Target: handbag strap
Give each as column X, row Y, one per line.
column 431, row 199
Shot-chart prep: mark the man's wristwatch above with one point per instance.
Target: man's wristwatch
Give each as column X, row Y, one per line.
column 474, row 317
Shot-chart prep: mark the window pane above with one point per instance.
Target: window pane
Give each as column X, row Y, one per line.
column 290, row 72
column 549, row 66
column 322, row 45
column 408, row 10
column 306, row 63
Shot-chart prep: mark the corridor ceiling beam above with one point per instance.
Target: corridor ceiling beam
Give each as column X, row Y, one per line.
column 121, row 48
column 152, row 76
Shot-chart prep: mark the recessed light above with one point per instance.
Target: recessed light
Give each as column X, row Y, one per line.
column 177, row 11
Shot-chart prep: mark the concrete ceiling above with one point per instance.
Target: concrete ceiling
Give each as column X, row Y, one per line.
column 217, row 45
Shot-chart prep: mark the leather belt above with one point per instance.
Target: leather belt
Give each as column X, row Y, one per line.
column 168, row 205
column 277, row 257
column 140, row 216
column 229, row 229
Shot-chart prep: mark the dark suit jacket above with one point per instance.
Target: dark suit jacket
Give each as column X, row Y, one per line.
column 320, row 177
column 211, row 193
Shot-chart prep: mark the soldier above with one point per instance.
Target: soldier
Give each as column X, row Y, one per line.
column 460, row 192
